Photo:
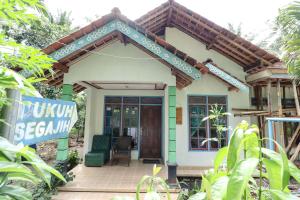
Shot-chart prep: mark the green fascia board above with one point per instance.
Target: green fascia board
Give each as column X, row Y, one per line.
column 226, row 77
column 117, row 25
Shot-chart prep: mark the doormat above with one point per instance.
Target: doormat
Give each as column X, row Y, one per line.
column 151, row 161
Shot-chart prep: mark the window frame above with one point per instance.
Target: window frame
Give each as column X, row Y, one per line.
column 207, row 123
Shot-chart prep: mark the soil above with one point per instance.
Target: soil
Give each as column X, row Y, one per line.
column 47, row 150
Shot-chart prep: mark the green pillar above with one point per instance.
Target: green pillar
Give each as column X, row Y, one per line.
column 172, row 165
column 172, row 125
column 63, row 143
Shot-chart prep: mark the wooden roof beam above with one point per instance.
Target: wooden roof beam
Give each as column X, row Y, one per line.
column 152, row 16
column 61, row 67
column 122, row 38
column 221, row 35
column 211, row 44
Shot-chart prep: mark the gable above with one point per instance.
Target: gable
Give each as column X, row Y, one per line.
column 239, row 50
column 116, row 26
column 116, row 63
column 199, row 51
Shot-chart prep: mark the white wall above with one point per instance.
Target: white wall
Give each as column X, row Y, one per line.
column 104, row 68
column 208, row 85
column 119, row 63
column 98, row 111
column 198, row 51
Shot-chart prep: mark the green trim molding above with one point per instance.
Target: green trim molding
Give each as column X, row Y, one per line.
column 226, row 77
column 117, row 25
column 63, row 143
column 172, row 125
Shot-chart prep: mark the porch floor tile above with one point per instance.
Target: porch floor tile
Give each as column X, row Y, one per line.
column 114, row 179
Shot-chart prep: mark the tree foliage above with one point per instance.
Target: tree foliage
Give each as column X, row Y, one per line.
column 42, row 31
column 20, row 67
column 288, row 24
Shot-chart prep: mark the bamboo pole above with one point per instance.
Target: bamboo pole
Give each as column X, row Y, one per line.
column 280, row 124
column 296, row 98
column 269, row 96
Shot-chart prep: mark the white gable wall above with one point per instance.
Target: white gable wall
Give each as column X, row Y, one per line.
column 197, row 50
column 123, row 64
column 119, row 63
column 208, row 85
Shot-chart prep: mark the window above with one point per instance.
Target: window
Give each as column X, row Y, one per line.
column 121, row 116
column 200, row 131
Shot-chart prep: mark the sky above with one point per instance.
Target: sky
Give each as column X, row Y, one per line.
column 254, row 15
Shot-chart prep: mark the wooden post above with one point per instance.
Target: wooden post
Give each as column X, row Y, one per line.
column 257, row 98
column 295, row 155
column 280, row 127
column 279, row 98
column 296, row 98
column 269, row 96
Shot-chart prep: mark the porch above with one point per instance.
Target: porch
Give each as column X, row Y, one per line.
column 117, row 180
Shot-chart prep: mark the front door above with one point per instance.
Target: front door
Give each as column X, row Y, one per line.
column 150, row 131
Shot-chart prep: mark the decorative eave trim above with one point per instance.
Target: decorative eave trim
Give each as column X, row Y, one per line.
column 226, row 77
column 117, row 25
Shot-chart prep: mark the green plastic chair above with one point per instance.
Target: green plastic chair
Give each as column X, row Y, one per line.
column 100, row 152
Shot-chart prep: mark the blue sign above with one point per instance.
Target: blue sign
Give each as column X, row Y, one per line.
column 41, row 119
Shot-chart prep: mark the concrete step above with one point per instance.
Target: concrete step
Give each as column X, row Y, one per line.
column 100, row 196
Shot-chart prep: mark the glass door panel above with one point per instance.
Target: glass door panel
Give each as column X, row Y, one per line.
column 112, row 124
column 131, row 123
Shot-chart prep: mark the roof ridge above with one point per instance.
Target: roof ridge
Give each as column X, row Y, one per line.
column 243, row 48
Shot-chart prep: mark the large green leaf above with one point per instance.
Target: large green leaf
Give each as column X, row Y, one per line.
column 16, row 192
column 274, row 173
column 13, row 167
column 293, row 170
column 46, row 168
column 35, row 160
column 219, row 188
column 206, row 187
column 239, row 178
column 235, row 140
column 283, row 195
column 283, row 161
column 23, row 177
column 198, row 196
column 5, row 197
column 222, row 153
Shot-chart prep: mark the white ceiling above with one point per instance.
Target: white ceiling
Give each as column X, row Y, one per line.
column 129, row 86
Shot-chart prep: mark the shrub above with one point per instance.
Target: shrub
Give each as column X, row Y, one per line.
column 21, row 165
column 42, row 192
column 245, row 157
column 73, row 159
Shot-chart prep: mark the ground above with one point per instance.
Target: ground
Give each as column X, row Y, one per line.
column 47, row 150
